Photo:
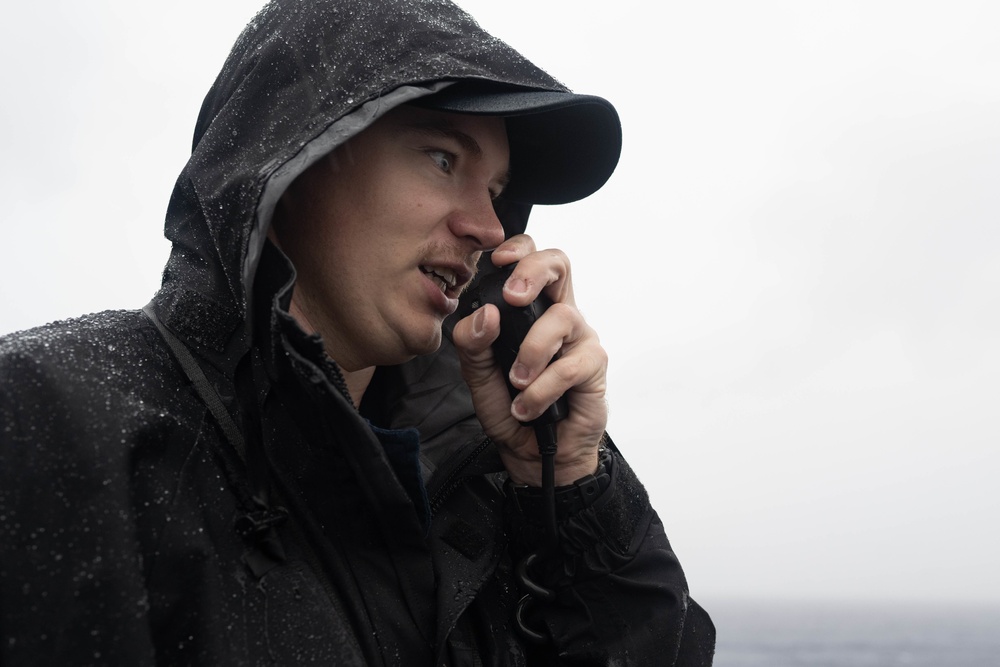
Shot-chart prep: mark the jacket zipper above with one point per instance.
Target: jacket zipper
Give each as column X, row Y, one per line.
column 454, row 479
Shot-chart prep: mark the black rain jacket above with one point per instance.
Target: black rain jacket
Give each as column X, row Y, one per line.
column 192, row 486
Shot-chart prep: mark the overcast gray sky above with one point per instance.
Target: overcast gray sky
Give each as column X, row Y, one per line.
column 796, row 268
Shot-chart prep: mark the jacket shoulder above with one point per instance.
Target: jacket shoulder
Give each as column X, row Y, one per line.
column 56, row 340
column 85, row 390
column 103, row 352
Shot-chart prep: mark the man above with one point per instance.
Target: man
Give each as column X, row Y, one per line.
column 284, row 458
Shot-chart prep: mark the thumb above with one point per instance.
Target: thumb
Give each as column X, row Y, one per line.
column 473, row 337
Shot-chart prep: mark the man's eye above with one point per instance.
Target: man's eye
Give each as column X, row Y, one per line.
column 443, row 159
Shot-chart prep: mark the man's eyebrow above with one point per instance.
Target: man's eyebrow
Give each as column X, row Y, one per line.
column 446, row 131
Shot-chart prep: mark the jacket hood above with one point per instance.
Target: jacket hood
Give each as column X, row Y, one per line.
column 301, row 79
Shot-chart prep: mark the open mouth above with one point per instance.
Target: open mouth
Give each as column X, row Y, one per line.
column 447, row 279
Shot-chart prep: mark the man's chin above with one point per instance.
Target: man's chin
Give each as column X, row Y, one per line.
column 417, row 346
column 430, row 345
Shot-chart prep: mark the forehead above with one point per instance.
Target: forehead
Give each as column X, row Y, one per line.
column 477, row 134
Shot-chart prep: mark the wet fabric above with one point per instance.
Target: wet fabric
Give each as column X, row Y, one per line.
column 135, row 530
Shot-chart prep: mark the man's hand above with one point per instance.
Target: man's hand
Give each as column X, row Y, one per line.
column 561, row 355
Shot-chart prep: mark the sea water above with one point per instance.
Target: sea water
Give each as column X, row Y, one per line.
column 814, row 634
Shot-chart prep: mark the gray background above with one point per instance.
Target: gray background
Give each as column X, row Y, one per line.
column 796, row 268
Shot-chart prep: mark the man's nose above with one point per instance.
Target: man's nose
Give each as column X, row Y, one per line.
column 477, row 221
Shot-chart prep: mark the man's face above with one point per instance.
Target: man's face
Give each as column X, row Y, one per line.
column 385, row 232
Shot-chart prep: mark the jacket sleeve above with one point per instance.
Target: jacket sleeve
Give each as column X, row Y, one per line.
column 620, row 594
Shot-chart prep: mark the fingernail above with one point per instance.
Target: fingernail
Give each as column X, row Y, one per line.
column 478, row 323
column 516, row 286
column 518, row 411
column 519, row 372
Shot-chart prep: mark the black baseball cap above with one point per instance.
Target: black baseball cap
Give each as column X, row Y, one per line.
column 563, row 146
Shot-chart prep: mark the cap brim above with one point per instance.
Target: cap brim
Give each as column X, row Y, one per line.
column 563, row 146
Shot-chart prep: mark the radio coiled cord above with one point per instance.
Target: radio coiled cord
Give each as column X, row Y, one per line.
column 545, row 434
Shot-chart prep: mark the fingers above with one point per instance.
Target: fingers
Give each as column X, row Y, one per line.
column 561, row 331
column 576, row 373
column 473, row 337
column 561, row 326
column 536, row 270
column 560, row 356
column 561, row 353
column 513, row 249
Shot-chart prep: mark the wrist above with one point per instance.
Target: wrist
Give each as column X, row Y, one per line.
column 528, row 472
column 570, row 498
column 568, row 474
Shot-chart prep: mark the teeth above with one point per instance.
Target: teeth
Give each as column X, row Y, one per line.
column 445, row 278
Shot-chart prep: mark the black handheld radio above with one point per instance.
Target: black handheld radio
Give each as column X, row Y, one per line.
column 514, row 325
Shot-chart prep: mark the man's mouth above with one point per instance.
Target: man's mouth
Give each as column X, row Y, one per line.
column 443, row 277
